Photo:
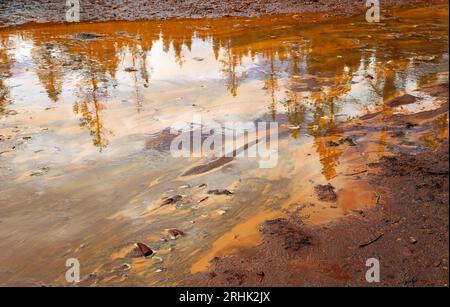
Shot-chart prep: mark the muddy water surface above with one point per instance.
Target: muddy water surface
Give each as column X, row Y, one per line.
column 84, row 112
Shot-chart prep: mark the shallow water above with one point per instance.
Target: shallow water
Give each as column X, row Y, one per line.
column 84, row 158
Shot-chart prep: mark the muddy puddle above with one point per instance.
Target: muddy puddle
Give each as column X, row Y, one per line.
column 85, row 165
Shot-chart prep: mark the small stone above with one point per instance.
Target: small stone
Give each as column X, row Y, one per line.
column 144, row 250
column 412, row 240
column 437, row 263
column 171, row 200
column 220, row 192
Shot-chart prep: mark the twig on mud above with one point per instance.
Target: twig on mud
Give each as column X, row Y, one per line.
column 357, row 173
column 380, row 234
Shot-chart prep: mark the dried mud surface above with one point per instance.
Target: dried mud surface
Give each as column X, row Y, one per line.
column 407, row 231
column 18, row 12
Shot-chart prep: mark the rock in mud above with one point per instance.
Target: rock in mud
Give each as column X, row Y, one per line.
column 220, row 192
column 175, row 233
column 171, row 200
column 140, row 250
column 412, row 240
column 325, row 192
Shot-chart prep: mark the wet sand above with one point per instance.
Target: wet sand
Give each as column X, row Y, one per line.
column 84, row 160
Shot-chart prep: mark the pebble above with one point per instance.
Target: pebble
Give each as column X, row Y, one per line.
column 175, row 233
column 171, row 200
column 143, row 249
column 220, row 192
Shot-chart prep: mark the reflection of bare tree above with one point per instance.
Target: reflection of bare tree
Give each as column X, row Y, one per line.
column 324, row 64
column 139, row 58
column 92, row 89
column 296, row 112
column 48, row 61
column 89, row 108
column 324, row 124
column 230, row 63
